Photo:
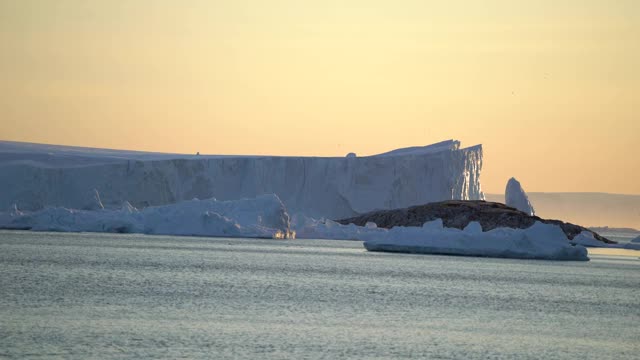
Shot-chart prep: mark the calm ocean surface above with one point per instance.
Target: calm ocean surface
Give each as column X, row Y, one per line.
column 133, row 296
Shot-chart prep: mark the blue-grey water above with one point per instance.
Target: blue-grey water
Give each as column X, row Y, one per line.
column 132, row 296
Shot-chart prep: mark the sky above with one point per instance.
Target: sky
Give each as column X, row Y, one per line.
column 550, row 88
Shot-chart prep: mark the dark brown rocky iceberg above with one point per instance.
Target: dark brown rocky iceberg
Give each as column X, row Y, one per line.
column 458, row 214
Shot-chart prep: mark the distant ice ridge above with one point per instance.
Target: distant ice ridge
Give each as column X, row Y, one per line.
column 36, row 176
column 262, row 217
column 515, row 197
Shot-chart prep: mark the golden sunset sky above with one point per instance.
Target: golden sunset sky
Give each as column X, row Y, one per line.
column 550, row 88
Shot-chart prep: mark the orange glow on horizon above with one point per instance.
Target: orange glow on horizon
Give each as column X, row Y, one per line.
column 551, row 89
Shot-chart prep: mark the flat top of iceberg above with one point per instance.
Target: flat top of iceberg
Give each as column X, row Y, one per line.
column 419, row 150
column 12, row 152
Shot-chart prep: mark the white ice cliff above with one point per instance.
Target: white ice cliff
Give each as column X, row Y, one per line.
column 516, row 197
column 36, row 176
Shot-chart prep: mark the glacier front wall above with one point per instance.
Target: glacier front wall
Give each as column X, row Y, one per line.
column 320, row 187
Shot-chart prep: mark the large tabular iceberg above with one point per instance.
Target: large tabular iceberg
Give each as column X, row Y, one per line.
column 263, row 217
column 35, row 176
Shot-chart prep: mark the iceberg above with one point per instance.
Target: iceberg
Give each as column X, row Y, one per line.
column 310, row 228
column 37, row 176
column 262, row 217
column 540, row 241
column 634, row 244
column 515, row 197
column 586, row 238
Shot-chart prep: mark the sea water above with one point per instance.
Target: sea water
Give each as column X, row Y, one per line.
column 134, row 296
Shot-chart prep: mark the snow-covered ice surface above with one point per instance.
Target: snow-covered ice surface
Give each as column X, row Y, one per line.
column 262, row 217
column 517, row 198
column 36, row 176
column 540, row 241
